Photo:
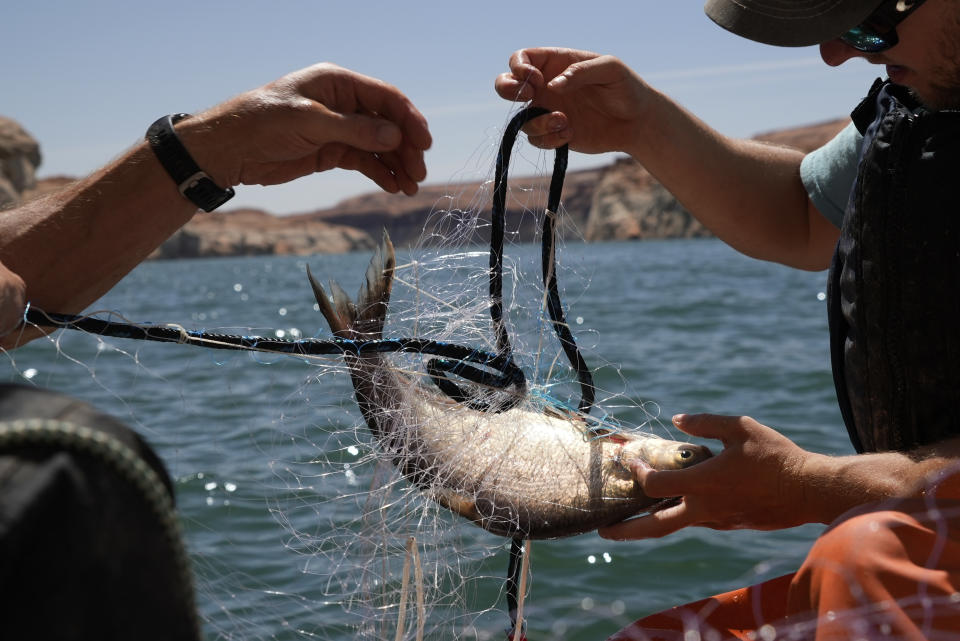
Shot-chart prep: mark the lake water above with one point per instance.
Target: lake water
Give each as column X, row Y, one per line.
column 274, row 468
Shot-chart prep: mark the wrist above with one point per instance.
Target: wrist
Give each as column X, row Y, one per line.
column 835, row 484
column 815, row 477
column 644, row 133
column 193, row 182
column 206, row 139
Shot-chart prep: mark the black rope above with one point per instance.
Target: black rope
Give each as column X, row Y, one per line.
column 514, row 569
column 554, row 308
column 509, row 372
column 437, row 368
column 548, row 254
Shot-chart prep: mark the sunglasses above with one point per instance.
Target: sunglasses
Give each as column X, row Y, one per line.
column 879, row 31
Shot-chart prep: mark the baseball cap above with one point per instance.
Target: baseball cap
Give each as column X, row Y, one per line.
column 789, row 23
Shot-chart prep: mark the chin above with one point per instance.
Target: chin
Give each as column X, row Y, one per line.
column 936, row 98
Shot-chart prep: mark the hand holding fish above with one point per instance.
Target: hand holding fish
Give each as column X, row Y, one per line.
column 313, row 120
column 597, row 102
column 756, row 482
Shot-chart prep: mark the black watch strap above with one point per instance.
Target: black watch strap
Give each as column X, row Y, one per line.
column 195, row 185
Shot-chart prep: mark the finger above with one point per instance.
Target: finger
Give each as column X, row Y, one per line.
column 531, row 69
column 727, row 429
column 347, row 92
column 551, row 140
column 512, row 88
column 389, row 102
column 649, row 526
column 395, row 164
column 413, row 162
column 13, row 299
column 600, row 70
column 525, row 71
column 551, row 61
column 547, row 124
column 384, row 169
column 663, row 484
column 406, row 161
column 10, row 319
column 352, row 159
column 376, row 135
column 369, row 133
column 524, row 80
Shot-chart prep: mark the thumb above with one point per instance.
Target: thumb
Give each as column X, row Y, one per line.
column 596, row 71
column 716, row 426
column 369, row 133
column 649, row 526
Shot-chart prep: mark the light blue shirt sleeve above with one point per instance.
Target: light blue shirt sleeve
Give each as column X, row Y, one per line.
column 828, row 173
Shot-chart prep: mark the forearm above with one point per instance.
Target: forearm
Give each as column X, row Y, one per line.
column 72, row 246
column 832, row 485
column 746, row 192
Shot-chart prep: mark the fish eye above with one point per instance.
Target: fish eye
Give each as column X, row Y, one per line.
column 686, row 454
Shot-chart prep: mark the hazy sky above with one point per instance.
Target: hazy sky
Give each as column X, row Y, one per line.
column 87, row 77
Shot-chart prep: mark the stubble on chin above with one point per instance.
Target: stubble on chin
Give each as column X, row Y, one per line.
column 945, row 85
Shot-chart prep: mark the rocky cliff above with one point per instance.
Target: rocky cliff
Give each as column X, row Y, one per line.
column 616, row 202
column 619, row 201
column 251, row 232
column 417, row 219
column 629, row 203
column 19, row 159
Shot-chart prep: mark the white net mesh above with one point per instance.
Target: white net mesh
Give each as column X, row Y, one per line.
column 300, row 525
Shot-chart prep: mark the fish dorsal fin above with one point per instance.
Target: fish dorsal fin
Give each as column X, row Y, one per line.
column 338, row 325
column 374, row 295
column 344, row 307
column 363, row 320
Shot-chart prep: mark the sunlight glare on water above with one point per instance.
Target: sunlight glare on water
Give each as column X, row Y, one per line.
column 688, row 326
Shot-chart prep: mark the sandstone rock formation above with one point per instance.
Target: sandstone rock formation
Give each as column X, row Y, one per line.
column 251, row 232
column 19, row 159
column 805, row 138
column 414, row 220
column 629, row 203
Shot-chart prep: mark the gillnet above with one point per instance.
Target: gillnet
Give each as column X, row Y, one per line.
column 299, row 523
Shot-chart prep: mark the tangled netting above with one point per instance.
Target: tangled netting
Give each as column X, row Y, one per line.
column 372, row 557
column 298, row 521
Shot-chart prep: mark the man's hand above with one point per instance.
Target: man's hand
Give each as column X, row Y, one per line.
column 13, row 299
column 312, row 120
column 755, row 482
column 597, row 102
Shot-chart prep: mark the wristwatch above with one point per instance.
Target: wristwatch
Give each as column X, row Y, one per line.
column 194, row 183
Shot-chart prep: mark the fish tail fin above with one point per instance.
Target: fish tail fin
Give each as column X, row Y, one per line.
column 363, row 320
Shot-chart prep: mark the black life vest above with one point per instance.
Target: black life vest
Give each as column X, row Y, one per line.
column 894, row 285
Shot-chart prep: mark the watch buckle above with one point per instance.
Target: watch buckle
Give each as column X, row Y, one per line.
column 192, row 182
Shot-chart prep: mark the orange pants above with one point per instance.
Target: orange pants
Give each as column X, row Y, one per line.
column 889, row 570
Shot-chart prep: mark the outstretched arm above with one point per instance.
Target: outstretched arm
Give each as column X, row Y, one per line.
column 747, row 192
column 69, row 248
